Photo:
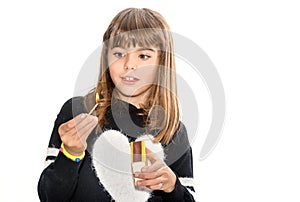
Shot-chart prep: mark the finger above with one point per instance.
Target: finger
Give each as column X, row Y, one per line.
column 156, row 166
column 156, row 187
column 64, row 128
column 82, row 123
column 65, row 131
column 69, row 131
column 86, row 131
column 90, row 122
column 69, row 125
column 77, row 120
column 151, row 156
column 147, row 176
column 151, row 182
column 70, row 134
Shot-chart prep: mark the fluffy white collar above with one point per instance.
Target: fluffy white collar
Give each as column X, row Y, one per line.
column 111, row 160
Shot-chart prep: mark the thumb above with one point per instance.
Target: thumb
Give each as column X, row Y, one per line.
column 151, row 156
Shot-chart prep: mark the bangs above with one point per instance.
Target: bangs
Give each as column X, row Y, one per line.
column 142, row 38
column 138, row 27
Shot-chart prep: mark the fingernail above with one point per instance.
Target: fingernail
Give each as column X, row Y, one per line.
column 136, row 174
column 82, row 116
column 144, row 170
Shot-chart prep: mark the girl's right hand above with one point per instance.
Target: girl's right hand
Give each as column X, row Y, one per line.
column 75, row 132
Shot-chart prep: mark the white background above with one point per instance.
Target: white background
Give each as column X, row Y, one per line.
column 254, row 45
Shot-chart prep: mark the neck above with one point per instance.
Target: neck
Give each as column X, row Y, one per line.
column 137, row 100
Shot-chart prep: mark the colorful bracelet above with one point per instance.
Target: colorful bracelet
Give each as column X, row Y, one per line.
column 70, row 156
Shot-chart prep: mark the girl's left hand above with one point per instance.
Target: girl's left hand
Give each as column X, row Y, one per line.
column 157, row 176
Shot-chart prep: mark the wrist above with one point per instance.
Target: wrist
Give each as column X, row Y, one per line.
column 173, row 179
column 72, row 151
column 169, row 190
column 76, row 158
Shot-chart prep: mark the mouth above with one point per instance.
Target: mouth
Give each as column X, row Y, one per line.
column 129, row 79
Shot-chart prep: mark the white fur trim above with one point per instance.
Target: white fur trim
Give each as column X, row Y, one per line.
column 112, row 161
column 52, row 151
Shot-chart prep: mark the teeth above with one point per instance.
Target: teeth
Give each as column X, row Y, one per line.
column 128, row 78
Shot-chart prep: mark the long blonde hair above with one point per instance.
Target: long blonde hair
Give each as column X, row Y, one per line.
column 144, row 27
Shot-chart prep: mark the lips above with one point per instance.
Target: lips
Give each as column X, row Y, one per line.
column 129, row 79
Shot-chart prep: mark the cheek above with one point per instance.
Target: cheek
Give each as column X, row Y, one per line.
column 150, row 74
column 111, row 59
column 114, row 73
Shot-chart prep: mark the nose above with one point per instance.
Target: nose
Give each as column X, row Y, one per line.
column 131, row 63
column 130, row 67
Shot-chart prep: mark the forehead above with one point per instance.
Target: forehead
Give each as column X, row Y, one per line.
column 137, row 39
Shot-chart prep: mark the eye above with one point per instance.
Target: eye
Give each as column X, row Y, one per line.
column 119, row 54
column 144, row 56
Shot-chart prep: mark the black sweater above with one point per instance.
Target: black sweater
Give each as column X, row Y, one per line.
column 65, row 180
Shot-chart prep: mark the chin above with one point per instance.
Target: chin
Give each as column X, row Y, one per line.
column 130, row 92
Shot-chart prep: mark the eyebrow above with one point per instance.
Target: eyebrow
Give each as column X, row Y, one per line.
column 150, row 49
column 140, row 49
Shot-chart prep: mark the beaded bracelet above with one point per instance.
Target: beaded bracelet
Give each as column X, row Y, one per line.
column 70, row 156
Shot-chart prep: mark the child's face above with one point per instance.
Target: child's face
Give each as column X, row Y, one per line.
column 133, row 70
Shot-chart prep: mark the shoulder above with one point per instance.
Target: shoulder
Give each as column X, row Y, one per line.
column 71, row 108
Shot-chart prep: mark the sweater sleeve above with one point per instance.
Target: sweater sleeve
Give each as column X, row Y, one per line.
column 180, row 159
column 184, row 189
column 59, row 179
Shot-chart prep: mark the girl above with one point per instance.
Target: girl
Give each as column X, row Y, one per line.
column 137, row 88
